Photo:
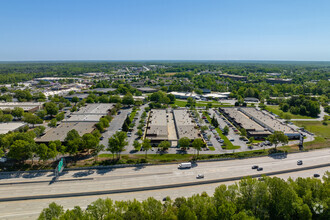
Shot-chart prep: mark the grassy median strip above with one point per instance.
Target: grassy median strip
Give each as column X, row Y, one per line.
column 227, row 143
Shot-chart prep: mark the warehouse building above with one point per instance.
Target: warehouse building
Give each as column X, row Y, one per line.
column 256, row 123
column 157, row 129
column 10, row 126
column 26, row 106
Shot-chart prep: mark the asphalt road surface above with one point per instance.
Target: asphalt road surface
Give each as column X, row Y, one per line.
column 124, row 178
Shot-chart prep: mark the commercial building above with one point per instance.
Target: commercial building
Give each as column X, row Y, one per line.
column 278, row 80
column 147, row 89
column 61, row 131
column 257, row 123
column 184, row 95
column 240, row 120
column 157, row 129
column 234, row 77
column 26, row 106
column 185, row 127
column 170, row 125
column 82, row 121
column 10, row 126
column 90, row 113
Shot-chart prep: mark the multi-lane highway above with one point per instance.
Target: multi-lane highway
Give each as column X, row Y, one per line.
column 106, row 182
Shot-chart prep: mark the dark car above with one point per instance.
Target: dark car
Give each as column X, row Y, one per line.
column 260, row 169
column 316, row 175
column 255, row 167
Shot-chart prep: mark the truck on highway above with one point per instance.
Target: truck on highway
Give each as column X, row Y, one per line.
column 184, row 165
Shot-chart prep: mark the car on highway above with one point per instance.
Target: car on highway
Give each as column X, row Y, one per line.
column 260, row 169
column 316, row 175
column 299, row 162
column 255, row 167
column 200, row 176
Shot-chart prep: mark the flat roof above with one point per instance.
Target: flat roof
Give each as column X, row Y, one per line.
column 24, row 105
column 157, row 126
column 242, row 119
column 60, row 132
column 267, row 120
column 84, row 118
column 10, row 126
column 95, row 108
column 184, row 125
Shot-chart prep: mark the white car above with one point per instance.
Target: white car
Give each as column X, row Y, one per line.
column 129, row 134
column 299, row 162
column 200, row 176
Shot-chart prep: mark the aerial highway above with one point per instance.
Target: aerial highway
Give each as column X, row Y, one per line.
column 32, row 192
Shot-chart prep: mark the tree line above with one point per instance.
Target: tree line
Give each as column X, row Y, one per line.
column 264, row 198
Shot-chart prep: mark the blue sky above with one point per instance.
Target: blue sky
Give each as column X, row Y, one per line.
column 164, row 30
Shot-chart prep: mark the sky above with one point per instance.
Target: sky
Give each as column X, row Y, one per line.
column 32, row 30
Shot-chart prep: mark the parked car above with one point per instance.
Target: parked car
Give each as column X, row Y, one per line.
column 232, row 139
column 129, row 134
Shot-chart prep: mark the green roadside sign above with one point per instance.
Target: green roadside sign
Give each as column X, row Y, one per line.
column 60, row 165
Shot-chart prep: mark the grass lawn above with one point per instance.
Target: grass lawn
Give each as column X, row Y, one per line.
column 322, row 140
column 212, row 148
column 276, row 110
column 315, row 127
column 182, row 103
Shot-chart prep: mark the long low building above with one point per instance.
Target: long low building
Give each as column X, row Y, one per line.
column 272, row 124
column 185, row 127
column 26, row 106
column 256, row 123
column 170, row 125
column 10, row 126
column 241, row 120
column 157, row 129
column 61, row 131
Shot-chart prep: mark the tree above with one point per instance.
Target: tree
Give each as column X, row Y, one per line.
column 96, row 149
column 137, row 145
column 52, row 123
column 140, row 132
column 20, row 150
column 197, row 144
column 89, row 141
column 6, row 118
column 226, row 130
column 117, row 143
column 60, row 116
column 172, row 98
column 32, row 119
column 75, row 99
column 39, row 131
column 128, row 99
column 73, row 142
column 51, row 108
column 204, row 128
column 125, row 127
column 243, row 132
column 41, row 113
column 278, row 137
column 146, row 145
column 53, row 211
column 184, row 143
column 214, row 122
column 17, row 112
column 164, row 145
